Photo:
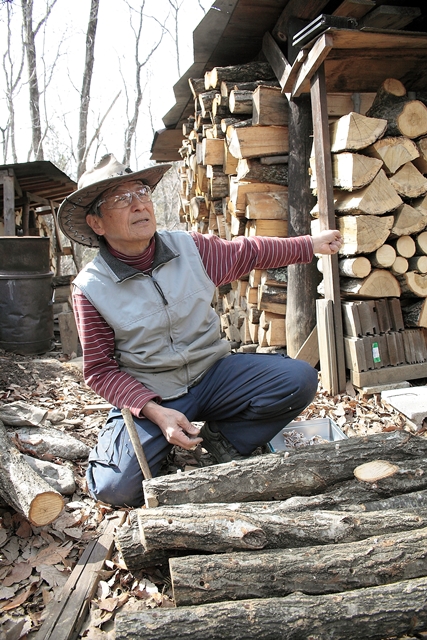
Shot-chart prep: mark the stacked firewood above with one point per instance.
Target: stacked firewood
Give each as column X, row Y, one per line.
column 318, row 540
column 379, row 162
column 234, row 182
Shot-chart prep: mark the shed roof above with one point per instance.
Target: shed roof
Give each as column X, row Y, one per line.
column 40, row 181
column 232, row 33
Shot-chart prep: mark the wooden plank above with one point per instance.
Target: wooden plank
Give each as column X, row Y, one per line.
column 354, row 8
column 7, row 179
column 276, row 58
column 388, row 375
column 327, row 352
column 322, row 150
column 309, row 351
column 66, row 615
column 312, row 63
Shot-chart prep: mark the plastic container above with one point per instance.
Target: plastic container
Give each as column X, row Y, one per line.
column 323, row 427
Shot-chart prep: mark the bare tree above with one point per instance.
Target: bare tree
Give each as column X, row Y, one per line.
column 139, row 65
column 176, row 6
column 12, row 81
column 85, row 92
column 30, row 34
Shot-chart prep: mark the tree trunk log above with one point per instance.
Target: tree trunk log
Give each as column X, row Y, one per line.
column 270, row 206
column 23, row 489
column 318, row 570
column 240, row 102
column 404, row 117
column 374, row 613
column 279, row 476
column 383, row 257
column 415, row 315
column 220, row 528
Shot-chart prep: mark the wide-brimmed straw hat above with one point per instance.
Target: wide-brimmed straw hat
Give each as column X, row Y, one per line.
column 109, row 172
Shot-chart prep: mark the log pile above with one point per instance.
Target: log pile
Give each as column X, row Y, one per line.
column 234, row 182
column 348, row 518
column 380, row 196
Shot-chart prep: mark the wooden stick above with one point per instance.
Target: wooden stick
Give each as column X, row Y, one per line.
column 136, row 443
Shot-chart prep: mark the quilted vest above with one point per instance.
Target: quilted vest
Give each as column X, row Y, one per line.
column 167, row 334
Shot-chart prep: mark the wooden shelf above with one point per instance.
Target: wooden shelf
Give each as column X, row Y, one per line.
column 387, row 375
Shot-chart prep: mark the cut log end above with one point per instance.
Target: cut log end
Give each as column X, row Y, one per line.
column 375, row 470
column 45, row 508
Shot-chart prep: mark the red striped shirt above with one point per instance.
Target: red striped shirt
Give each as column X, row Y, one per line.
column 224, row 262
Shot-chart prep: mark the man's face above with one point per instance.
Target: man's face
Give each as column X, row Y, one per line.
column 128, row 228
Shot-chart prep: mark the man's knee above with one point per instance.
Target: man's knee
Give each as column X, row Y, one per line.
column 111, row 486
column 305, row 378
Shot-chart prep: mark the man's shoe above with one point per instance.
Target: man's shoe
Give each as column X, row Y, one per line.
column 219, row 447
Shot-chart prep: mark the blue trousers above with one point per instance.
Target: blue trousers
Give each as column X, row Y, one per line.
column 250, row 396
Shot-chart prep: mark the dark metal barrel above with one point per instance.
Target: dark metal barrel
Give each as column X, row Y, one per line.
column 26, row 305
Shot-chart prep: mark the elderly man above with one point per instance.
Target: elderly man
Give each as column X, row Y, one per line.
column 151, row 339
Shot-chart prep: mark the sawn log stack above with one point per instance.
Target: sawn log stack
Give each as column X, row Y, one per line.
column 282, row 532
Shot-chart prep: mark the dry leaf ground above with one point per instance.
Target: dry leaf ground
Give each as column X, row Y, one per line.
column 36, row 562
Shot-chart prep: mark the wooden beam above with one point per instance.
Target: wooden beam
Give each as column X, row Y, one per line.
column 312, row 63
column 309, row 351
column 7, row 179
column 323, row 163
column 66, row 615
column 276, row 58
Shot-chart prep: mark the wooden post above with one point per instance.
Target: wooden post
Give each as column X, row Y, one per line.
column 302, row 278
column 322, row 151
column 6, row 177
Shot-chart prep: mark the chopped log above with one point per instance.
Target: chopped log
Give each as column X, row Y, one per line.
column 272, row 298
column 405, row 246
column 258, row 574
column 238, row 189
column 270, row 206
column 415, row 315
column 399, row 266
column 408, row 220
column 238, row 73
column 353, row 132
column 405, row 117
column 240, row 102
column 421, row 242
column 230, row 162
column 323, row 464
column 377, row 198
column 394, row 152
column 383, row 257
column 270, row 106
column 409, row 182
column 212, row 151
column 219, row 528
column 234, row 122
column 226, row 87
column 205, row 100
column 413, row 284
column 363, row 234
column 23, row 488
column 421, row 161
column 418, row 263
column 254, row 171
column 359, row 267
column 277, row 277
column 269, row 228
column 379, row 284
column 253, row 142
column 197, row 85
column 374, row 612
column 349, row 170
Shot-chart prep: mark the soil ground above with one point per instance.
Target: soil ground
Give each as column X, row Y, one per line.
column 36, row 562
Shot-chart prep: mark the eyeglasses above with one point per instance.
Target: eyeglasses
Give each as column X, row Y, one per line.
column 124, row 199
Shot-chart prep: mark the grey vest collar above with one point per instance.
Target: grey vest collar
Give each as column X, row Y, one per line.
column 162, row 254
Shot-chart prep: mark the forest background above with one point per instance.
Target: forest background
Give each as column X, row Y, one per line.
column 83, row 78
